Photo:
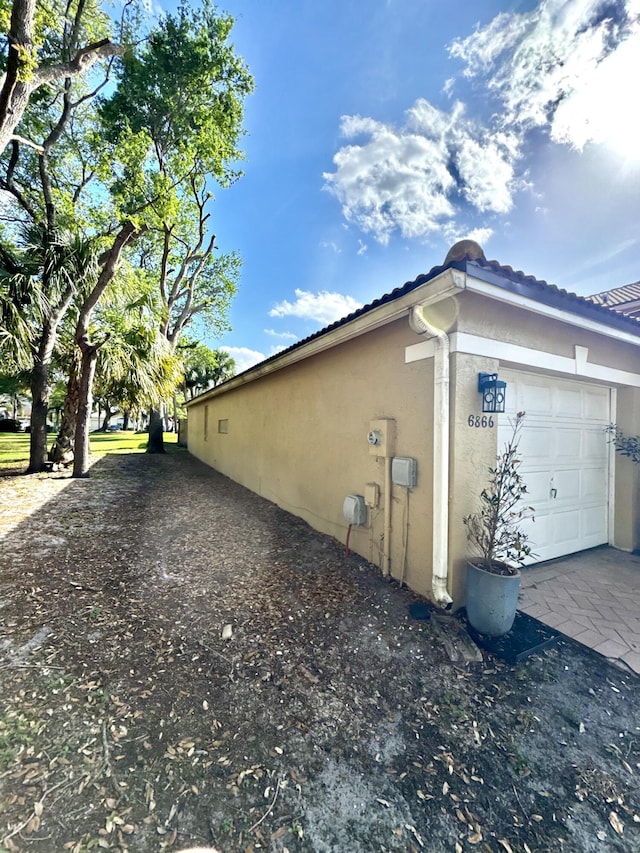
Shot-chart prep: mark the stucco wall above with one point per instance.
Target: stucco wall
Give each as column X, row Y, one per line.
column 475, row 315
column 298, row 437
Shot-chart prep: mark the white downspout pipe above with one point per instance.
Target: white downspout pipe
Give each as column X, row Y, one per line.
column 386, row 564
column 440, row 531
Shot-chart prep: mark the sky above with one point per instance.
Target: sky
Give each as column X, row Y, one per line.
column 381, row 132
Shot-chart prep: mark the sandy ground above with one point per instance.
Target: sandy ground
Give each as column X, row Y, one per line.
column 184, row 664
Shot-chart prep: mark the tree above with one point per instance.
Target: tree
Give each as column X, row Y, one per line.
column 173, row 119
column 179, row 104
column 44, row 172
column 25, row 74
column 204, row 368
column 14, row 386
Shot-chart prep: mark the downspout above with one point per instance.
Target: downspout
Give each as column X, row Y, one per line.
column 386, row 543
column 440, row 521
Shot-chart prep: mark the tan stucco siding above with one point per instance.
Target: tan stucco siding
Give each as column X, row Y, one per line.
column 298, row 437
column 487, row 318
column 473, row 451
column 504, row 323
column 627, row 475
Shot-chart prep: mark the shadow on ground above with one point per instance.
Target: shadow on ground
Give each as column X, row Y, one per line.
column 329, row 720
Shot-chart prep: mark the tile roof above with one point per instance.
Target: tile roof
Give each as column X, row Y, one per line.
column 491, row 272
column 621, row 299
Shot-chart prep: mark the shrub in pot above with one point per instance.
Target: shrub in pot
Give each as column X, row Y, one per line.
column 498, row 542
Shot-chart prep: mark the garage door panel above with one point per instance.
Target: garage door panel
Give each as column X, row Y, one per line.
column 537, row 530
column 537, row 483
column 566, row 528
column 596, row 405
column 594, row 524
column 567, row 486
column 594, row 483
column 534, row 443
column 563, row 447
column 567, row 443
column 595, row 445
column 533, row 398
column 567, row 404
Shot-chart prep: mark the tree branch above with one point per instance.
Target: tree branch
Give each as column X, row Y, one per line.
column 84, row 59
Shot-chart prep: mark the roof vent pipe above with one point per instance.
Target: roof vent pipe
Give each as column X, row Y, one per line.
column 440, row 532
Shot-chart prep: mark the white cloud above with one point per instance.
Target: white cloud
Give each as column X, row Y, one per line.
column 362, row 247
column 244, row 357
column 276, row 349
column 323, row 307
column 408, row 178
column 565, row 66
column 285, row 336
column 331, row 245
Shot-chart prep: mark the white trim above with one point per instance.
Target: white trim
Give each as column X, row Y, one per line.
column 417, row 352
column 441, row 287
column 613, row 403
column 527, row 357
column 501, row 295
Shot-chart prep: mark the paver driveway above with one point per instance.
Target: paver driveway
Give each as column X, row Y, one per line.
column 593, row 597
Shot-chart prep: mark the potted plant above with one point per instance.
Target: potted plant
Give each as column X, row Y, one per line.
column 499, row 544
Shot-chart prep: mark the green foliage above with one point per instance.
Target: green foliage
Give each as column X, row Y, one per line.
column 34, row 271
column 625, row 445
column 145, row 153
column 184, row 89
column 136, row 365
column 494, row 531
column 204, row 367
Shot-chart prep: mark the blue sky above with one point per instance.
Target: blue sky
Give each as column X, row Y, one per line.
column 381, row 131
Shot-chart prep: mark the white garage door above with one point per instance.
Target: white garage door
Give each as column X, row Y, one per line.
column 565, row 460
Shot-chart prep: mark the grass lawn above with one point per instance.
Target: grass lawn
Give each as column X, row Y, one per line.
column 14, row 447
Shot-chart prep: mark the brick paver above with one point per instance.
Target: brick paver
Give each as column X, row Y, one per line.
column 593, row 597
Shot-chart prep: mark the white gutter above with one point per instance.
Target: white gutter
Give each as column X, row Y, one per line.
column 442, row 286
column 440, row 520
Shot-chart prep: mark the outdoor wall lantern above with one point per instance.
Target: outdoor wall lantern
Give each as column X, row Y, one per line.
column 493, row 392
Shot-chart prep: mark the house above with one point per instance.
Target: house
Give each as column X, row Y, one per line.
column 623, row 300
column 382, row 410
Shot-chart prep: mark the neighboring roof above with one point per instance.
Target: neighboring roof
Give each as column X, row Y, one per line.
column 623, row 300
column 492, row 272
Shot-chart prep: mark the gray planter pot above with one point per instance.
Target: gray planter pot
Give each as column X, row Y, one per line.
column 492, row 600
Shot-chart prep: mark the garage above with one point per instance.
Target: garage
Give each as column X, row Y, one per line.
column 565, row 459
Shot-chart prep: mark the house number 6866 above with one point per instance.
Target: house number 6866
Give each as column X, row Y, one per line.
column 480, row 421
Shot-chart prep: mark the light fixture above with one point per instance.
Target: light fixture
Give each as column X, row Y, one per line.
column 493, row 392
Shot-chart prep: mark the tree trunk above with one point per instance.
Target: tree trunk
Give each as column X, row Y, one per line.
column 88, row 369
column 125, row 419
column 108, row 414
column 156, row 438
column 38, row 436
column 89, row 351
column 62, row 451
column 40, row 390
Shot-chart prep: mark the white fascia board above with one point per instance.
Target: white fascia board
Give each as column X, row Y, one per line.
column 437, row 289
column 475, row 285
column 527, row 357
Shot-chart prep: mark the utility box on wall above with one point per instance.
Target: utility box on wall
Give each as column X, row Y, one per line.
column 404, row 471
column 382, row 437
column 354, row 510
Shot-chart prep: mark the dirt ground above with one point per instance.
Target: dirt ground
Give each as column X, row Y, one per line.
column 184, row 664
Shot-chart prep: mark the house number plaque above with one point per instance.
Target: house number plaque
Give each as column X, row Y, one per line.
column 480, row 421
